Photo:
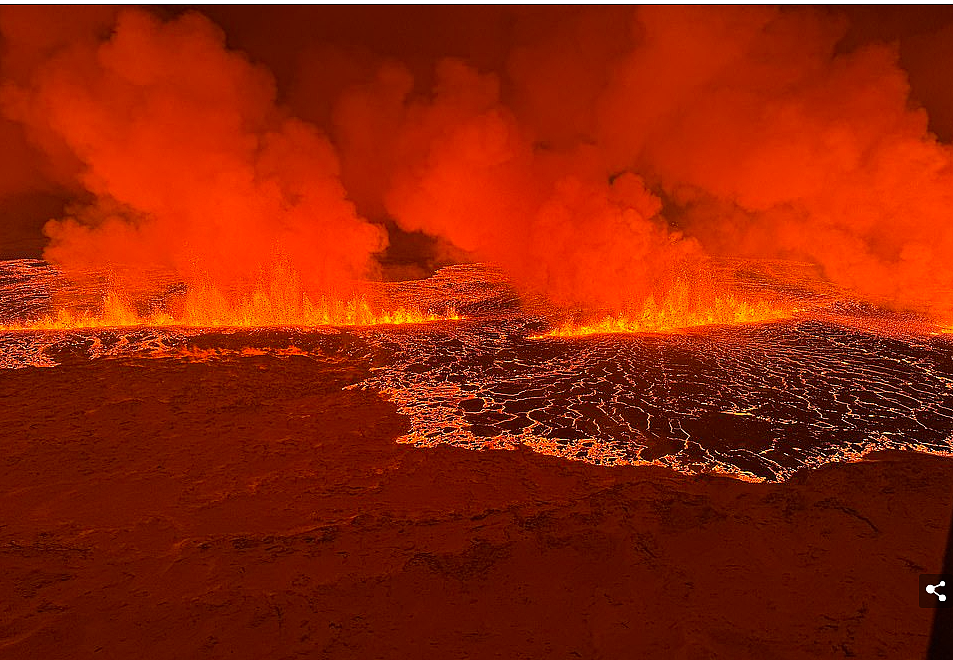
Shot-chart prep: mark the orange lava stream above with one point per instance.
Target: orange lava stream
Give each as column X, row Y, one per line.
column 205, row 307
column 673, row 314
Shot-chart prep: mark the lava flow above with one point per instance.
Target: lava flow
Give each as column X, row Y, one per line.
column 756, row 391
column 757, row 401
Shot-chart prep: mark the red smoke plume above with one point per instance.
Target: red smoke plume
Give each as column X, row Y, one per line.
column 593, row 153
column 813, row 154
column 462, row 167
column 191, row 162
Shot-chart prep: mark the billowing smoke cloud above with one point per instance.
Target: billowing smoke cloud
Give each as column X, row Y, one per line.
column 595, row 153
column 190, row 162
column 819, row 153
column 459, row 165
column 764, row 140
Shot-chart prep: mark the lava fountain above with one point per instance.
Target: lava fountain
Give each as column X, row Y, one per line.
column 676, row 310
column 277, row 300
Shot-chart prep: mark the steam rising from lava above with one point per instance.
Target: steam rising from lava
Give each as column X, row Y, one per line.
column 606, row 157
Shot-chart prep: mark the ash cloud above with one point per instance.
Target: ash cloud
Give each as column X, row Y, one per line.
column 594, row 153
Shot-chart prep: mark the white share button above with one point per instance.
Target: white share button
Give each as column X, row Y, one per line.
column 932, row 589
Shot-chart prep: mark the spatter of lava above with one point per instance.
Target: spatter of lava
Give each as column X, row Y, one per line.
column 831, row 381
column 675, row 311
column 277, row 300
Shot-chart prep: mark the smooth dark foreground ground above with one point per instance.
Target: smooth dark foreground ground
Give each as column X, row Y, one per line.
column 247, row 507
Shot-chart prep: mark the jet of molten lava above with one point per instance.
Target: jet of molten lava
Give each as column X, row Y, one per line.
column 675, row 312
column 251, row 313
column 279, row 301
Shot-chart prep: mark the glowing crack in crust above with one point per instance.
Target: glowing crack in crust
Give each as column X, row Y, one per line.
column 755, row 402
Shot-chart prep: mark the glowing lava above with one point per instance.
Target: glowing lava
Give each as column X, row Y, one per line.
column 254, row 312
column 677, row 311
column 756, row 401
column 278, row 301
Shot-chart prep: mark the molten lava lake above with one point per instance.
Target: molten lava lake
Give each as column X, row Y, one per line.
column 757, row 401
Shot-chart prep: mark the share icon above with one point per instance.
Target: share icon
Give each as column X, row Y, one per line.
column 934, row 590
